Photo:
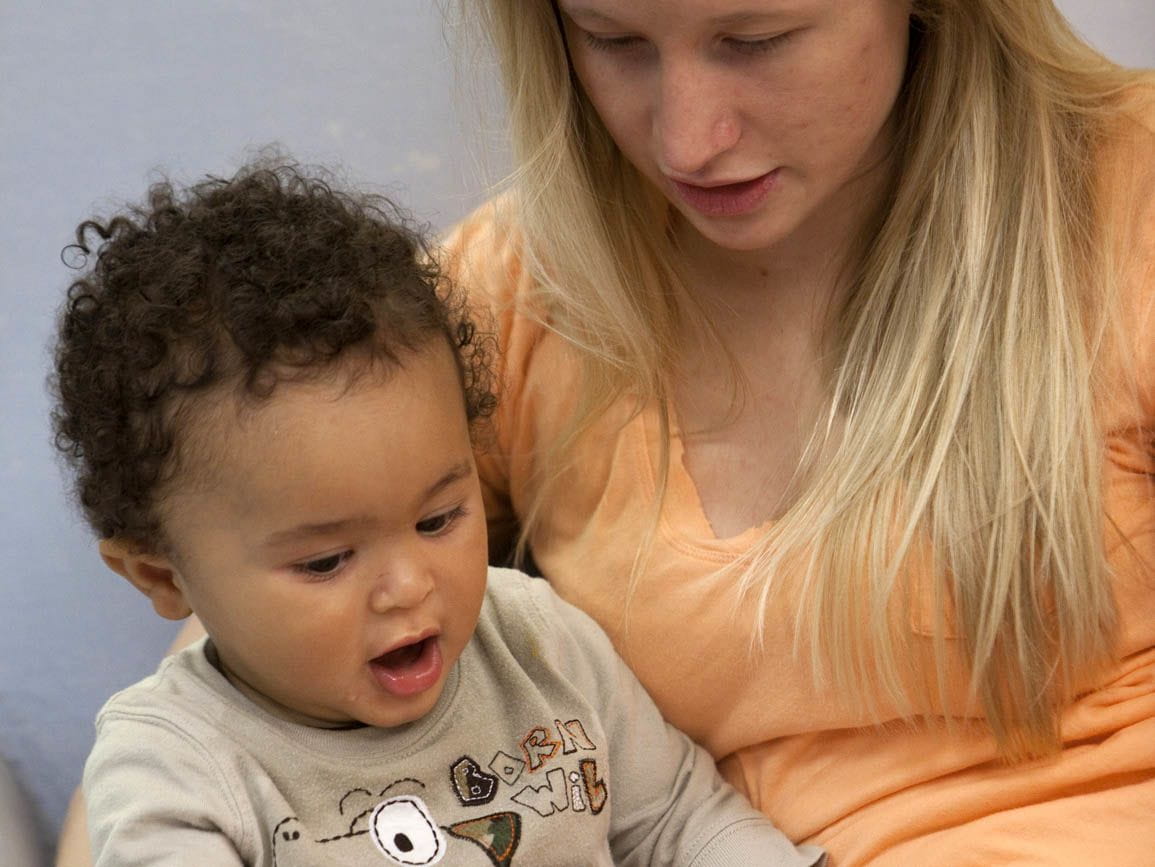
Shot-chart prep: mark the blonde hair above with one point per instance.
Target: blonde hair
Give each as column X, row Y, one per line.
column 966, row 355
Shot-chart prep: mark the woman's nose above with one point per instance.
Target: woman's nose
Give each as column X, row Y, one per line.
column 404, row 585
column 694, row 122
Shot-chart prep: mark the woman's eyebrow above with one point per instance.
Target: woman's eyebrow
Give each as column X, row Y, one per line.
column 729, row 19
column 585, row 13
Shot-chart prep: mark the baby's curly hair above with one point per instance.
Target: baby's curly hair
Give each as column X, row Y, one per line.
column 273, row 274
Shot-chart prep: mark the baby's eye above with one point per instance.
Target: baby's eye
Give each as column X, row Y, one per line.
column 323, row 567
column 440, row 523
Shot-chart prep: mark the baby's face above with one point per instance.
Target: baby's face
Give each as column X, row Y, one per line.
column 338, row 556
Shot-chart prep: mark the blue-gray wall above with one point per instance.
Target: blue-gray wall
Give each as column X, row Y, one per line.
column 93, row 98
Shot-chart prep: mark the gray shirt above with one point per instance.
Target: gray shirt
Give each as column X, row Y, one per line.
column 542, row 750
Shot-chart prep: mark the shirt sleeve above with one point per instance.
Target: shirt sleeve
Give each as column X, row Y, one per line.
column 668, row 803
column 155, row 797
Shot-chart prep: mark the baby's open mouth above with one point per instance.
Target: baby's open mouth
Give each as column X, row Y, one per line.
column 409, row 669
column 403, row 657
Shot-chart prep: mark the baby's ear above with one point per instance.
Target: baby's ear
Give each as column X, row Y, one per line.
column 151, row 574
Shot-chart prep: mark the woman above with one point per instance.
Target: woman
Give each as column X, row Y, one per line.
column 829, row 393
column 859, row 292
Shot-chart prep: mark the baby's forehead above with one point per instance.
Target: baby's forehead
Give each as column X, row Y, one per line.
column 215, row 427
column 316, row 443
column 212, row 423
column 216, row 434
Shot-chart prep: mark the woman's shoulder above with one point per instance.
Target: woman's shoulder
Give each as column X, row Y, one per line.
column 1127, row 154
column 1137, row 102
column 484, row 253
column 1127, row 208
column 484, row 256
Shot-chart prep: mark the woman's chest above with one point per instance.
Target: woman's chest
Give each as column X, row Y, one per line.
column 743, row 443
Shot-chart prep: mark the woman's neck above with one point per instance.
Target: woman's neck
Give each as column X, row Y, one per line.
column 748, row 401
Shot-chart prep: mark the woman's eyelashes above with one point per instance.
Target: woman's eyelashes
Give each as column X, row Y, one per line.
column 761, row 45
column 440, row 523
column 742, row 45
column 611, row 43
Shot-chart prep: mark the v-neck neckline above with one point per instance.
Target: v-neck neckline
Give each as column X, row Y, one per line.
column 683, row 521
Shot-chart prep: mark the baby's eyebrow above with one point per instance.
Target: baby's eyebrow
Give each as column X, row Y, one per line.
column 462, row 470
column 323, row 528
column 457, row 472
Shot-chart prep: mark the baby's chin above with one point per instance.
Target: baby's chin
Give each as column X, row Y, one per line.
column 394, row 690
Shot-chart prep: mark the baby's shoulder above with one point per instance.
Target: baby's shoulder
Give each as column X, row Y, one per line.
column 528, row 614
column 180, row 695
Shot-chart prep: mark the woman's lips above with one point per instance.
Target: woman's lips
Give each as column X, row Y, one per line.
column 727, row 200
column 411, row 669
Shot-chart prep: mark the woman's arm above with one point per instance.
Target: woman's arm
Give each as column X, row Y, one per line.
column 72, row 848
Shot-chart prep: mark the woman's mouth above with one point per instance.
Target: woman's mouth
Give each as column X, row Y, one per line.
column 727, row 200
column 409, row 669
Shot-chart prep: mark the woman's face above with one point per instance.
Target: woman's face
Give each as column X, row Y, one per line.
column 760, row 120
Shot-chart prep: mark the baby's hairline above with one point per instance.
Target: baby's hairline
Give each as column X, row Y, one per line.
column 198, row 416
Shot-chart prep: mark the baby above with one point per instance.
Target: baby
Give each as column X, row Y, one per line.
column 271, row 400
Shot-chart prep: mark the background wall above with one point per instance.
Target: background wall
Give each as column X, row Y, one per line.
column 94, row 98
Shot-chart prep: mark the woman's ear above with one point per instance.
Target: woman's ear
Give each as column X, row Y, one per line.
column 153, row 575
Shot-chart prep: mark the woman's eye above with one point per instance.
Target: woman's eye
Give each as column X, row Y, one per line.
column 757, row 46
column 440, row 523
column 324, row 566
column 611, row 43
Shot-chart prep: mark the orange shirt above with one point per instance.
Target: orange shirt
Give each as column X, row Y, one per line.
column 892, row 795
